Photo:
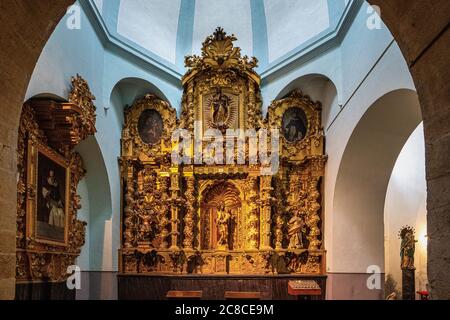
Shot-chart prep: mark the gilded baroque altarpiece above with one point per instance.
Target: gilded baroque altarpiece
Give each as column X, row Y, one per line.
column 49, row 235
column 222, row 219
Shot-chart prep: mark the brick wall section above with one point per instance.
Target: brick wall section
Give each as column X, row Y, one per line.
column 25, row 26
column 421, row 28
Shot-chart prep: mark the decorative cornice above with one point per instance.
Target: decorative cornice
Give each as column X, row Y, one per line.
column 67, row 123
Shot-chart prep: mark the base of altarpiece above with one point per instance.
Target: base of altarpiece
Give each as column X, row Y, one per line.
column 44, row 291
column 155, row 287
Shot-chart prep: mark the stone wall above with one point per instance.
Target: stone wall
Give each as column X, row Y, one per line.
column 25, row 27
column 421, row 29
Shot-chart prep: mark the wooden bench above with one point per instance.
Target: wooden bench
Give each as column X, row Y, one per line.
column 184, row 295
column 238, row 295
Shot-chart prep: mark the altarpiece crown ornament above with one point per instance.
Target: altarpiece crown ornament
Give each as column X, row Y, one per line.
column 210, row 219
column 49, row 234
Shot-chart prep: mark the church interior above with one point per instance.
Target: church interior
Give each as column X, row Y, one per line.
column 225, row 149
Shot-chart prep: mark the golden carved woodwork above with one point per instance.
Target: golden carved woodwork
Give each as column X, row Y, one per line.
column 81, row 96
column 220, row 54
column 67, row 123
column 133, row 144
column 312, row 143
column 221, row 76
column 219, row 218
column 51, row 129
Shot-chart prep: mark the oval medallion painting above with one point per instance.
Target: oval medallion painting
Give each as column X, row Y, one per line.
column 295, row 124
column 150, row 126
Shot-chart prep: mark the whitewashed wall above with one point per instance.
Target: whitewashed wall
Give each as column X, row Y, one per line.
column 151, row 24
column 406, row 205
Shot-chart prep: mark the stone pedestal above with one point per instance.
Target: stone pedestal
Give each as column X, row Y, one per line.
column 408, row 284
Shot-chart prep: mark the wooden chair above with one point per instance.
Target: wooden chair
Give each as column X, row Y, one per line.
column 184, row 295
column 238, row 295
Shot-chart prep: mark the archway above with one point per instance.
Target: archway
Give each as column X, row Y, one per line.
column 127, row 91
column 319, row 88
column 99, row 251
column 360, row 191
column 405, row 205
column 423, row 42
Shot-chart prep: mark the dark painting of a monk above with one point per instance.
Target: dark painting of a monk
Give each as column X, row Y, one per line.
column 150, row 127
column 294, row 124
column 51, row 204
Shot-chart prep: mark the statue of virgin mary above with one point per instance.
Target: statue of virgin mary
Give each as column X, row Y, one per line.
column 220, row 108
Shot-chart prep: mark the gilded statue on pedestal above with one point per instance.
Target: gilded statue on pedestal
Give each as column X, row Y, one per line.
column 407, row 248
column 147, row 222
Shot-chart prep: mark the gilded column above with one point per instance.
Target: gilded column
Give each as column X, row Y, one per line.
column 175, row 204
column 313, row 216
column 189, row 217
column 189, row 108
column 252, row 222
column 279, row 220
column 251, row 106
column 266, row 209
column 164, row 222
column 129, row 215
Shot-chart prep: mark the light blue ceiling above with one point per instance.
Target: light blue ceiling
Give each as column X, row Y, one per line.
column 275, row 31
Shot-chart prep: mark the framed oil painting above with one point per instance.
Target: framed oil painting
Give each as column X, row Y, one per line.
column 150, row 126
column 295, row 125
column 48, row 209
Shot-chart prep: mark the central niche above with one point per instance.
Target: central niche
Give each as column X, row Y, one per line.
column 220, row 212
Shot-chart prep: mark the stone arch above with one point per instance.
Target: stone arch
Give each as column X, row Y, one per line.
column 362, row 181
column 318, row 87
column 127, row 91
column 133, row 88
column 100, row 201
column 137, row 85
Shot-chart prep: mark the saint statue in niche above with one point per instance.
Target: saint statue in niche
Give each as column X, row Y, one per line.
column 297, row 227
column 148, row 223
column 150, row 126
column 220, row 108
column 295, row 124
column 223, row 224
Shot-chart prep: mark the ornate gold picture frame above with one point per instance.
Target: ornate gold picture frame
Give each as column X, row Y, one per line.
column 48, row 196
column 311, row 141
